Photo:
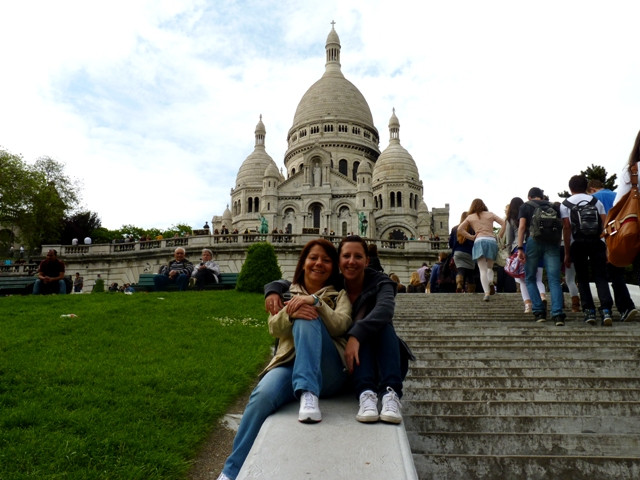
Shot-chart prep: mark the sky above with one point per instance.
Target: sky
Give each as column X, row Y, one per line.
column 152, row 104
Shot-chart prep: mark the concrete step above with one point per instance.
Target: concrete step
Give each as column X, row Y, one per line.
column 413, row 406
column 524, row 424
column 603, row 352
column 523, row 367
column 489, row 443
column 494, row 395
column 418, row 386
column 535, row 394
column 530, row 467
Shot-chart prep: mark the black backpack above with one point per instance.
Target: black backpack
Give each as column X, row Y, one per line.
column 546, row 224
column 586, row 223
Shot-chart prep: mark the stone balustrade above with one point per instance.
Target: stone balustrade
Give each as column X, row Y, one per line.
column 124, row 262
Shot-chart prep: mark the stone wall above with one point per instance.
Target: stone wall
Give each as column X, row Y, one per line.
column 124, row 262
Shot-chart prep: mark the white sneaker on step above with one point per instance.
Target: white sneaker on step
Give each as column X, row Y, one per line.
column 309, row 409
column 391, row 407
column 368, row 411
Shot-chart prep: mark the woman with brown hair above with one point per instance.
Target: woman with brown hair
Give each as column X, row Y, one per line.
column 485, row 246
column 309, row 361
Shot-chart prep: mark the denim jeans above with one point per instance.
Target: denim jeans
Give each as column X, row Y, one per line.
column 317, row 367
column 591, row 254
column 57, row 287
column 379, row 363
column 161, row 281
column 621, row 295
column 549, row 253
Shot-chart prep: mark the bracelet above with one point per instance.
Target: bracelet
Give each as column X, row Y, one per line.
column 316, row 300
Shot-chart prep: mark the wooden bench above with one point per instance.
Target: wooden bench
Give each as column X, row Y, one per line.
column 16, row 284
column 226, row 281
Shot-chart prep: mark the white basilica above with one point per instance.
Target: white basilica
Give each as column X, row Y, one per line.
column 336, row 176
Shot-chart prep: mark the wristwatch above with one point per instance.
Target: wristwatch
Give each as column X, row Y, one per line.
column 316, row 300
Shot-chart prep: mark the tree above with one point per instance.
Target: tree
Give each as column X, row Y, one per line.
column 80, row 225
column 596, row 172
column 260, row 268
column 35, row 199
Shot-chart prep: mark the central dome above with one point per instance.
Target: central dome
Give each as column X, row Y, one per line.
column 333, row 95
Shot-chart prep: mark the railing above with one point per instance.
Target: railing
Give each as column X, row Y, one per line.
column 24, row 268
column 234, row 239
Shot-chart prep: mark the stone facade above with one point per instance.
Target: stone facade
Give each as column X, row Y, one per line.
column 336, row 176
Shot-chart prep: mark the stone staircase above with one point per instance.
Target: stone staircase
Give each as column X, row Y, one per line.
column 494, row 395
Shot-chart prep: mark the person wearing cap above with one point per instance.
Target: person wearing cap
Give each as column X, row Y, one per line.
column 534, row 251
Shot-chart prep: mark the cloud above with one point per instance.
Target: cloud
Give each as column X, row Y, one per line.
column 154, row 103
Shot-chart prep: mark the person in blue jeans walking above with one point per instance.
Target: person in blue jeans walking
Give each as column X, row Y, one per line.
column 309, row 361
column 536, row 250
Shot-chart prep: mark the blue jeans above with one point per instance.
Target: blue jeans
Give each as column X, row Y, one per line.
column 60, row 286
column 549, row 254
column 379, row 363
column 161, row 281
column 317, row 368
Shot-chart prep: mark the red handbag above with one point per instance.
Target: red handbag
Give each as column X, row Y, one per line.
column 621, row 230
column 513, row 266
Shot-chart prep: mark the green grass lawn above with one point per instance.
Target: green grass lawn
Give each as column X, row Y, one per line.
column 130, row 388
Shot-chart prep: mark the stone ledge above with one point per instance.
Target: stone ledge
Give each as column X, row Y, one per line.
column 337, row 448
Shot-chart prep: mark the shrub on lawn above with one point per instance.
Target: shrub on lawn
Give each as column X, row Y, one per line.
column 260, row 268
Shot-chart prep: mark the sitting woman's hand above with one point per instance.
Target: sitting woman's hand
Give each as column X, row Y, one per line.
column 297, row 301
column 304, row 312
column 273, row 303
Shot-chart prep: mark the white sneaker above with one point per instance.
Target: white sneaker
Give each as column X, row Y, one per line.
column 391, row 407
column 368, row 411
column 222, row 476
column 309, row 410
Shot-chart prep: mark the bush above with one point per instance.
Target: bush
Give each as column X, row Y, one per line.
column 260, row 268
column 98, row 287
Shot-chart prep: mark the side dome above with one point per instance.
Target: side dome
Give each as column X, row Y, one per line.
column 272, row 171
column 364, row 168
column 226, row 216
column 395, row 162
column 252, row 169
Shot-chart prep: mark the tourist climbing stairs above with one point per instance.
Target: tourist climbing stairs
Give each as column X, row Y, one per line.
column 494, row 395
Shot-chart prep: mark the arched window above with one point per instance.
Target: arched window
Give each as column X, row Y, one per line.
column 344, row 229
column 380, row 201
column 355, row 171
column 399, row 199
column 256, row 204
column 239, row 207
column 364, row 203
column 293, row 171
column 376, row 202
column 411, row 200
column 316, row 209
column 392, row 198
column 250, row 204
column 342, row 167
